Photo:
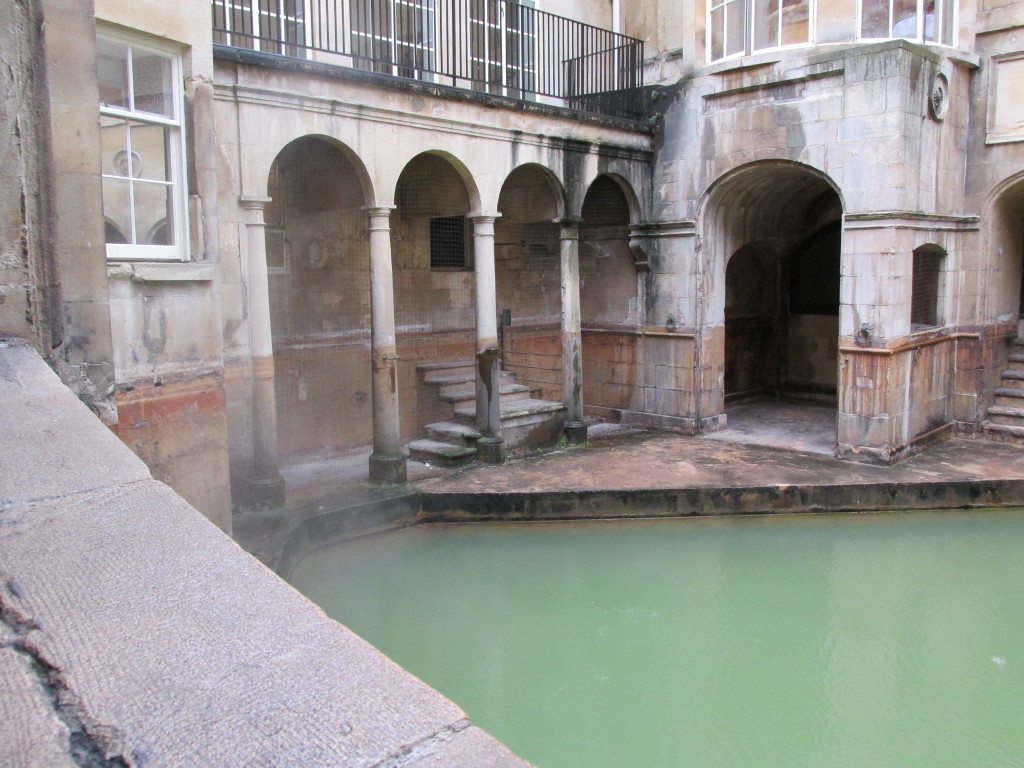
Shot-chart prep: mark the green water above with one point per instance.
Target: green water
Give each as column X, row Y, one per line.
column 878, row 641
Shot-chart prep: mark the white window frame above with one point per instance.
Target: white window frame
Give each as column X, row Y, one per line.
column 750, row 32
column 176, row 164
column 919, row 36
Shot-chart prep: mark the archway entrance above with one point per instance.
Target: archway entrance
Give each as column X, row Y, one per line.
column 610, row 305
column 1005, row 294
column 778, row 229
column 435, row 316
column 319, row 281
column 528, row 280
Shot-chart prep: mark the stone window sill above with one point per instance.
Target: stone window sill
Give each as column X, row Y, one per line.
column 167, row 272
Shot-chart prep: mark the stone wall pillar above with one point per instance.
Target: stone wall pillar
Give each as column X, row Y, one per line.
column 266, row 486
column 387, row 462
column 491, row 445
column 572, row 342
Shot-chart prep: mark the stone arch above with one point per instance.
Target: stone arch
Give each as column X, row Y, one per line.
column 528, row 277
column 1002, row 288
column 318, row 279
column 357, row 164
column 783, row 219
column 460, row 168
column 611, row 298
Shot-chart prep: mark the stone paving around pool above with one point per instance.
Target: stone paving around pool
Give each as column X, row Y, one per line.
column 660, row 461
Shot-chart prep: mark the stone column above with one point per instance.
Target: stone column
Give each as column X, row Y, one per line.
column 572, row 342
column 266, row 486
column 387, row 462
column 491, row 445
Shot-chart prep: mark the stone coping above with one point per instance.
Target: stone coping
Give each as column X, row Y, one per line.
column 134, row 632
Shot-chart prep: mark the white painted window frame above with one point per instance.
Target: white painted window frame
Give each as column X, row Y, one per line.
column 919, row 36
column 750, row 32
column 179, row 176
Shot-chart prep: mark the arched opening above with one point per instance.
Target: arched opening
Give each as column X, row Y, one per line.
column 1004, row 295
column 610, row 308
column 435, row 316
column 775, row 230
column 528, row 281
column 318, row 265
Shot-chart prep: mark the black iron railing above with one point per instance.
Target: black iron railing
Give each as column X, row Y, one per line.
column 501, row 47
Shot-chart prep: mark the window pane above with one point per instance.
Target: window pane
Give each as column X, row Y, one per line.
column 151, row 151
column 948, row 22
column 904, row 18
column 874, row 18
column 153, row 211
column 766, row 23
column 931, row 22
column 154, row 91
column 117, row 210
column 113, row 145
column 717, row 33
column 112, row 73
column 735, row 27
column 796, row 16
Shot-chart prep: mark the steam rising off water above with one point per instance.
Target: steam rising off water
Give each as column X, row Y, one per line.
column 831, row 641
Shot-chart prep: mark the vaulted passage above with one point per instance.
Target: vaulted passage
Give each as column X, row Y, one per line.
column 528, row 280
column 609, row 303
column 778, row 228
column 432, row 257
column 317, row 258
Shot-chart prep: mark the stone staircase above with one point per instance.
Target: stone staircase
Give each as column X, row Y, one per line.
column 1006, row 415
column 526, row 422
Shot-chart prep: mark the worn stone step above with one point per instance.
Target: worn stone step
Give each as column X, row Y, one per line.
column 1006, row 415
column 1005, row 430
column 512, row 410
column 1008, row 396
column 440, row 454
column 1013, row 380
column 453, row 384
column 452, row 433
column 507, row 392
column 1017, row 357
column 441, row 365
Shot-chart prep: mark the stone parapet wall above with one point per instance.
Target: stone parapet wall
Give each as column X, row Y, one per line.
column 135, row 632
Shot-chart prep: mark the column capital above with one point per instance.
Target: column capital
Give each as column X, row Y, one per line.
column 569, row 227
column 483, row 217
column 379, row 211
column 254, row 202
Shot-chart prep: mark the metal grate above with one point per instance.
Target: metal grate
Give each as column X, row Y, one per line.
column 430, row 250
column 924, row 301
column 448, row 242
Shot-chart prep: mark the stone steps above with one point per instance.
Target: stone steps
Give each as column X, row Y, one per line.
column 438, row 454
column 452, row 433
column 1006, row 415
column 525, row 421
column 1008, row 396
column 461, row 397
column 442, row 372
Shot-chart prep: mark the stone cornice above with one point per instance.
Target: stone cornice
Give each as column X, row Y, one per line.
column 917, row 220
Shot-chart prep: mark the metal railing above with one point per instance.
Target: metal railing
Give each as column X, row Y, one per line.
column 501, row 47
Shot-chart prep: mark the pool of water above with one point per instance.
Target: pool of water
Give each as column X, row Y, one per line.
column 841, row 641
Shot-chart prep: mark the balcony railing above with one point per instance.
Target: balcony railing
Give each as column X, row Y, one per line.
column 499, row 47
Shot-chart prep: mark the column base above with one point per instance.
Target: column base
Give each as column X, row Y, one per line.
column 385, row 469
column 576, row 432
column 268, row 490
column 490, row 450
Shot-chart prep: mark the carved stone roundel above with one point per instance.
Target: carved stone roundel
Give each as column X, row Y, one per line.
column 938, row 96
